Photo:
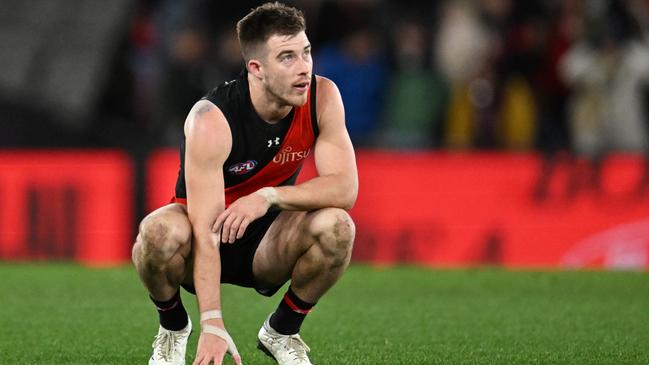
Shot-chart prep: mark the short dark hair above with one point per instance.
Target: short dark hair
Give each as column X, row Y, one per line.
column 267, row 20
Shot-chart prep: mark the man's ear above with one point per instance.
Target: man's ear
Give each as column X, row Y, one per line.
column 255, row 68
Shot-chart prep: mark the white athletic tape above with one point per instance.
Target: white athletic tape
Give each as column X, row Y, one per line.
column 220, row 332
column 211, row 315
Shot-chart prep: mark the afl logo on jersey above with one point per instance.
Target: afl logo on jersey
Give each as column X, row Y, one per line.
column 242, row 167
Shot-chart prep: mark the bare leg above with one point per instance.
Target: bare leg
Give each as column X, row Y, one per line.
column 312, row 249
column 161, row 253
column 320, row 267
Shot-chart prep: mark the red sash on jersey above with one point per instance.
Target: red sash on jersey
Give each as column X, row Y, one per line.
column 294, row 150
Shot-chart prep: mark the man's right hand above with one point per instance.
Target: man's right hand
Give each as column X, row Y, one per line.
column 212, row 349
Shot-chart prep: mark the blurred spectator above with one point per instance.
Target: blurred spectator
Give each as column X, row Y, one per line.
column 183, row 56
column 185, row 77
column 523, row 30
column 553, row 136
column 639, row 10
column 464, row 48
column 191, row 49
column 462, row 42
column 607, row 69
column 416, row 94
column 357, row 64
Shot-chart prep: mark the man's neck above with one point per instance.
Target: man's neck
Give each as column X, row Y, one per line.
column 266, row 106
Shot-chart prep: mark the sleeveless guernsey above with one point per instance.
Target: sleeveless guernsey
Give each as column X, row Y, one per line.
column 262, row 154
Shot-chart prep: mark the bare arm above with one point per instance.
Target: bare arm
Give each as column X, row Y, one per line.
column 208, row 143
column 337, row 182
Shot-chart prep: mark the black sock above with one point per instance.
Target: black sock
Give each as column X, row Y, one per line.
column 290, row 313
column 172, row 313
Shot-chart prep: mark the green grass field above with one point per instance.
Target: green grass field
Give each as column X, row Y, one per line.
column 68, row 314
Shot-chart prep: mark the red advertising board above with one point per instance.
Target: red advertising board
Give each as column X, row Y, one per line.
column 66, row 205
column 444, row 209
column 436, row 209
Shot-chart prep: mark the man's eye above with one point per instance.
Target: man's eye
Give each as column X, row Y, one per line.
column 287, row 57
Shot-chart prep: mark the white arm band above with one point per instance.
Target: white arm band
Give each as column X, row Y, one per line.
column 220, row 332
column 214, row 314
column 269, row 193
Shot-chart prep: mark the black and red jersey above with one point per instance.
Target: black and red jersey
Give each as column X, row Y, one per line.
column 262, row 154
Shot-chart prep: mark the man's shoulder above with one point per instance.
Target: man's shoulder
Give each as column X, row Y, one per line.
column 324, row 82
column 224, row 89
column 206, row 122
column 226, row 95
column 326, row 88
column 326, row 92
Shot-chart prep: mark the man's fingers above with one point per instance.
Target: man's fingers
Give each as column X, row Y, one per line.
column 216, row 228
column 237, row 359
column 212, row 359
column 197, row 360
column 242, row 227
column 218, row 360
column 227, row 226
column 234, row 228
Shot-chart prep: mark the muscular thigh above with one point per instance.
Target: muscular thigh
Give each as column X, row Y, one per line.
column 281, row 247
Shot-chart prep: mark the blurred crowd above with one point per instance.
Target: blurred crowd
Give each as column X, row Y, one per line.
column 564, row 77
column 457, row 74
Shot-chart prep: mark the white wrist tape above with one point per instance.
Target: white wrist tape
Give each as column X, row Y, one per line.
column 213, row 314
column 220, row 332
column 269, row 193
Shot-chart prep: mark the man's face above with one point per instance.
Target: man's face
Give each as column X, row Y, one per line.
column 287, row 68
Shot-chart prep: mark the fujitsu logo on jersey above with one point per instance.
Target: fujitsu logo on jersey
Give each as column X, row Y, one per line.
column 287, row 155
column 242, row 167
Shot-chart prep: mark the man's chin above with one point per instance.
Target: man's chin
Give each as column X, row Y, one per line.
column 298, row 100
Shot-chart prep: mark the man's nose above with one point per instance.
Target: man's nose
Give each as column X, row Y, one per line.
column 305, row 65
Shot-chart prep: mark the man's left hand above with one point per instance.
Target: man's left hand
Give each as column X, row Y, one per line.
column 232, row 223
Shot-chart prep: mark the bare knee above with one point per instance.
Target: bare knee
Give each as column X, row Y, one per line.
column 333, row 230
column 159, row 239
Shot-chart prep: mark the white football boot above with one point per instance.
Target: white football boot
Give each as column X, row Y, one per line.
column 169, row 346
column 285, row 349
